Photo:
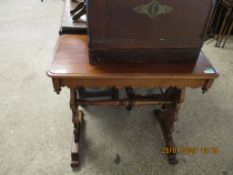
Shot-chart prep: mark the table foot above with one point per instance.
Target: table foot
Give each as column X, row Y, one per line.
column 172, row 159
column 75, row 150
column 74, row 164
column 167, row 128
column 75, row 155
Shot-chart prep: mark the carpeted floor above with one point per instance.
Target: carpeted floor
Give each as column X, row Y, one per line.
column 36, row 127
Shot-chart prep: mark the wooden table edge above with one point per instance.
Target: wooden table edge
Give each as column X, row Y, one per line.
column 132, row 76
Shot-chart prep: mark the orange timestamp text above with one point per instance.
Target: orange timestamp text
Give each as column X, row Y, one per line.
column 190, row 150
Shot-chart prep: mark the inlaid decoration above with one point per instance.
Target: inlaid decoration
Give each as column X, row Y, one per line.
column 153, row 9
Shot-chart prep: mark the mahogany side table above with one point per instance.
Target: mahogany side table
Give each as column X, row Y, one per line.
column 70, row 68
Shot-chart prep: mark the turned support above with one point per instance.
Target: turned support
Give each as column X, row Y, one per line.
column 169, row 100
column 77, row 118
column 167, row 116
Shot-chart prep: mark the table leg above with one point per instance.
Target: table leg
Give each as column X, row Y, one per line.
column 77, row 8
column 166, row 118
column 223, row 28
column 77, row 117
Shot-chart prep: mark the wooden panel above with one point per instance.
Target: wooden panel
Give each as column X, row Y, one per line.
column 71, row 60
column 133, row 82
column 115, row 20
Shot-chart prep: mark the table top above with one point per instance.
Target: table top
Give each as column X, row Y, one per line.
column 71, row 60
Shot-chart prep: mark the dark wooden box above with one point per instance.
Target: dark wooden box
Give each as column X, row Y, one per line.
column 142, row 31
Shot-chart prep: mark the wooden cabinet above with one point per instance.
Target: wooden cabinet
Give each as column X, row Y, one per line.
column 138, row 31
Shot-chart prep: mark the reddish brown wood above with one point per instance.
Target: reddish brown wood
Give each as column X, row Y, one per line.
column 166, row 118
column 118, row 34
column 70, row 68
column 73, row 100
column 57, row 85
column 125, row 102
column 70, row 65
column 207, row 85
column 77, row 117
